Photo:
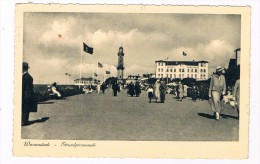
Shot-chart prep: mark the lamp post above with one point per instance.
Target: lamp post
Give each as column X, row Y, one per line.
column 67, row 77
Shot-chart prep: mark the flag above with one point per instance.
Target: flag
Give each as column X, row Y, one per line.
column 95, row 74
column 100, row 65
column 87, row 49
column 107, row 72
column 184, row 54
column 238, row 49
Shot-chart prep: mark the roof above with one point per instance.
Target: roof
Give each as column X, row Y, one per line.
column 84, row 79
column 192, row 63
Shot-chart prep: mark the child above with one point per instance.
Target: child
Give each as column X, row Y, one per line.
column 150, row 92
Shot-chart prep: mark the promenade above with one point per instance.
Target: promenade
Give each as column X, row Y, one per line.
column 105, row 117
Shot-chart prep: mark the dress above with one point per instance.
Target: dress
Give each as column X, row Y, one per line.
column 237, row 93
column 185, row 90
column 157, row 91
column 216, row 89
column 181, row 91
column 163, row 89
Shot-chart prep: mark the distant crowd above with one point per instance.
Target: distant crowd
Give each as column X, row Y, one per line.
column 216, row 92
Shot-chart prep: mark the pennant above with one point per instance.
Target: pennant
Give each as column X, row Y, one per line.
column 100, row 65
column 184, row 54
column 87, row 49
column 107, row 72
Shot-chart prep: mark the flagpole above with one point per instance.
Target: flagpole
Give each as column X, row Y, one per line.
column 80, row 73
column 97, row 71
column 93, row 74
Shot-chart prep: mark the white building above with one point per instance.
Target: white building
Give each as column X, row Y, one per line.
column 182, row 69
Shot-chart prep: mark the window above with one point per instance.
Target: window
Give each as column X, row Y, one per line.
column 191, row 75
column 201, row 70
column 179, row 70
column 195, row 70
column 170, row 70
column 188, row 75
column 179, row 75
column 188, row 70
column 183, row 70
column 158, row 75
column 162, row 70
column 204, row 70
column 167, row 70
column 195, row 75
column 170, row 75
column 158, row 69
column 191, row 70
column 182, row 75
column 167, row 75
column 174, row 75
column 174, row 70
column 161, row 75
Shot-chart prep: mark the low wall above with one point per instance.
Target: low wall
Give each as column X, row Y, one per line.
column 41, row 91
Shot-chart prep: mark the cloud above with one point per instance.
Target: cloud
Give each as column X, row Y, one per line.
column 145, row 38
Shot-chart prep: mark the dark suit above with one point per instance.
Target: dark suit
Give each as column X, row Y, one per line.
column 27, row 97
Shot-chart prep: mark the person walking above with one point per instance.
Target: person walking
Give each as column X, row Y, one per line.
column 180, row 90
column 98, row 88
column 157, row 91
column 163, row 89
column 185, row 91
column 150, row 93
column 217, row 88
column 131, row 89
column 115, row 88
column 137, row 89
column 236, row 95
column 27, row 94
column 194, row 93
column 103, row 87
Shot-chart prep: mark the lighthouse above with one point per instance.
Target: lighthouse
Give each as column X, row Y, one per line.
column 120, row 66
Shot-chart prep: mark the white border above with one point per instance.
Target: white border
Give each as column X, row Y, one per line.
column 7, row 57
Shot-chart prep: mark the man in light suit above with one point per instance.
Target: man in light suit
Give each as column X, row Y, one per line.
column 27, row 94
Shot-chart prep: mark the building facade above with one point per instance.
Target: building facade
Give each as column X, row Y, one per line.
column 84, row 81
column 182, row 69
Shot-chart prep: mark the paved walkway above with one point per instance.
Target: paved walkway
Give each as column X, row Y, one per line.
column 104, row 117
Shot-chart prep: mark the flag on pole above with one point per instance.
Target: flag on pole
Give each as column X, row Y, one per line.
column 184, row 54
column 107, row 72
column 87, row 49
column 95, row 74
column 100, row 65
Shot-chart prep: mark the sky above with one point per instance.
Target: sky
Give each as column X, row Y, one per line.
column 53, row 42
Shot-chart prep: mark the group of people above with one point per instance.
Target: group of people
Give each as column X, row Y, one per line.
column 158, row 91
column 216, row 91
column 88, row 89
column 134, row 89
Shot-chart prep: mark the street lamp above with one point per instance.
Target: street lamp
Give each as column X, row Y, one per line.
column 68, row 76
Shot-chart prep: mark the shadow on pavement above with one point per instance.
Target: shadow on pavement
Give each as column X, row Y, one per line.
column 46, row 102
column 38, row 121
column 206, row 115
column 228, row 116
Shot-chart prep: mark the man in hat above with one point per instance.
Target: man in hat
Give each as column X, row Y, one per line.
column 216, row 89
column 27, row 94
